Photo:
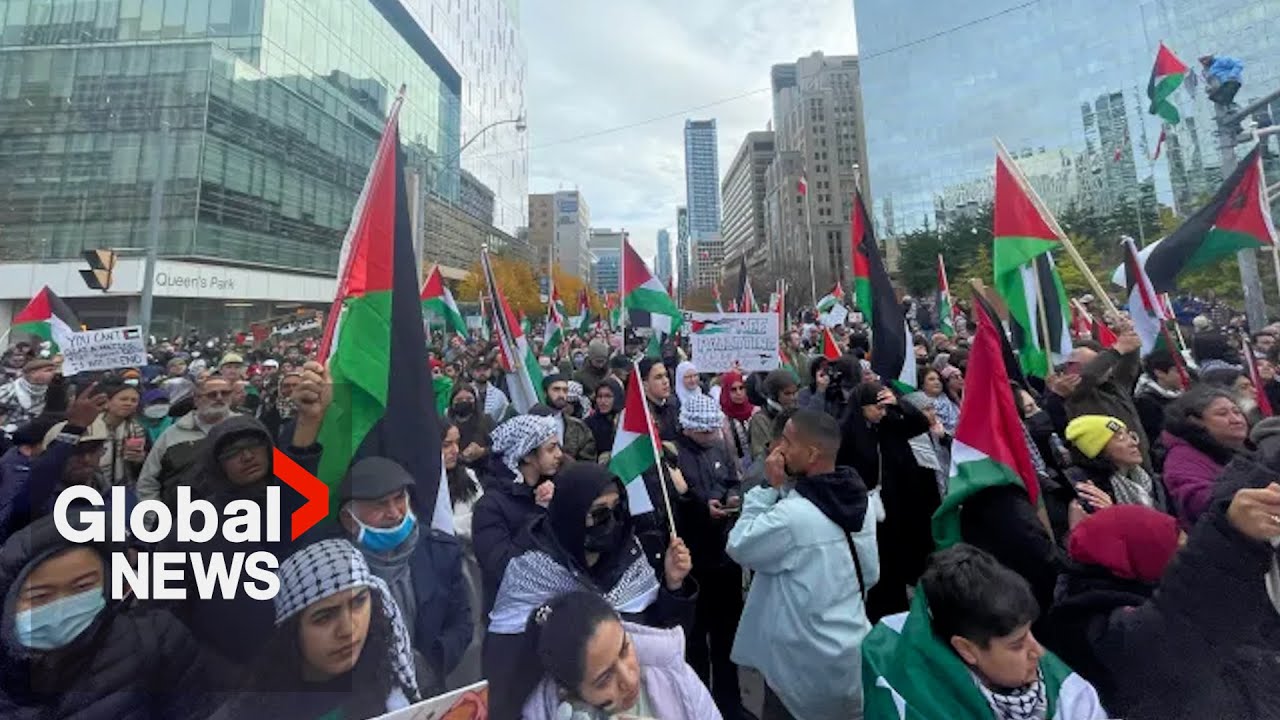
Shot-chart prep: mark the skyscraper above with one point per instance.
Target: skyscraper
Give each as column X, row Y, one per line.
column 683, row 268
column 662, row 263
column 743, row 189
column 701, row 177
column 606, row 262
column 560, row 231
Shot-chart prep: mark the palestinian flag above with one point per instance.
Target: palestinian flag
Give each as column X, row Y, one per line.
column 831, row 299
column 1145, row 308
column 1237, row 218
column 1011, row 366
column 715, row 295
column 584, row 312
column 892, row 356
column 553, row 333
column 384, row 403
column 646, row 302
column 946, row 310
column 634, row 446
column 1259, row 390
column 908, row 673
column 830, row 349
column 990, row 445
column 524, row 376
column 526, row 325
column 1025, row 274
column 47, row 317
column 438, row 304
column 1166, row 77
column 746, row 298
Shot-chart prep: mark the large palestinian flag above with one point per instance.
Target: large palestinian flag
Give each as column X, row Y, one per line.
column 1025, row 274
column 634, row 446
column 647, row 303
column 437, row 303
column 524, row 376
column 892, row 356
column 383, row 400
column 47, row 317
column 990, row 446
column 1237, row 218
column 1166, row 77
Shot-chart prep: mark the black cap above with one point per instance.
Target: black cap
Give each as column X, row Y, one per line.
column 373, row 478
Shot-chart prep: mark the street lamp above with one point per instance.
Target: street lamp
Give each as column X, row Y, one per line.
column 518, row 121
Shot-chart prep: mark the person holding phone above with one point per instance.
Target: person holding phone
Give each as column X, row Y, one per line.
column 1107, row 466
column 126, row 447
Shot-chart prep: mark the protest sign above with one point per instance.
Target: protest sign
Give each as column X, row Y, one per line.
column 468, row 703
column 719, row 340
column 105, row 349
column 839, row 313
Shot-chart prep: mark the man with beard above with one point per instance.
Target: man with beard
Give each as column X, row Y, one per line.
column 810, row 537
column 489, row 398
column 175, row 450
column 576, row 439
column 23, row 399
column 596, row 367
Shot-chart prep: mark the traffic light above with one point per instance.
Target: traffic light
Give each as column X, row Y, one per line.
column 101, row 264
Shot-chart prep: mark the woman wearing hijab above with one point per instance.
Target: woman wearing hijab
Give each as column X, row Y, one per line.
column 586, row 541
column 579, row 639
column 687, row 381
column 737, row 416
column 607, row 402
column 474, row 426
column 340, row 648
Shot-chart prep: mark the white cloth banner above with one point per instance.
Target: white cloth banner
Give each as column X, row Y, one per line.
column 105, row 349
column 719, row 340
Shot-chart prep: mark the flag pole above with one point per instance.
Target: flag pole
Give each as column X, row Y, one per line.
column 1052, row 221
column 622, row 289
column 657, row 456
column 808, row 223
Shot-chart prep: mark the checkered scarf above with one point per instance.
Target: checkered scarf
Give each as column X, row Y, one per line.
column 520, row 436
column 699, row 412
column 325, row 568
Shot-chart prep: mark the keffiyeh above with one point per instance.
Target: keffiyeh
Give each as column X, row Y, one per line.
column 328, row 567
column 1025, row 703
column 520, row 436
column 700, row 413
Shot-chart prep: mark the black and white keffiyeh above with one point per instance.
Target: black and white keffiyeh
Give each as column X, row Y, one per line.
column 699, row 412
column 325, row 568
column 520, row 436
column 535, row 577
column 1029, row 702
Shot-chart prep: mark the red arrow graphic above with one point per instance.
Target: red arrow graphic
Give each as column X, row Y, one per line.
column 309, row 486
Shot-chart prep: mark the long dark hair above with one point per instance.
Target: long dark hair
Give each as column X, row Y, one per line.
column 278, row 671
column 462, row 488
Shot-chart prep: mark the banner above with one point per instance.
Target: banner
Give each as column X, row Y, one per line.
column 105, row 349
column 838, row 315
column 468, row 703
column 719, row 340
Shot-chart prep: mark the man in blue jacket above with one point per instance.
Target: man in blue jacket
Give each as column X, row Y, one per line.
column 422, row 566
column 1223, row 76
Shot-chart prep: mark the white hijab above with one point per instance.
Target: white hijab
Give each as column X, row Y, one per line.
column 683, row 369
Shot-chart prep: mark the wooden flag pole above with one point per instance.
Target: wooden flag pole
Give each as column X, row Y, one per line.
column 657, row 455
column 1074, row 254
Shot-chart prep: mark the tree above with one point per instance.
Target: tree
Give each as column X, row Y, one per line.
column 1074, row 280
column 918, row 261
column 700, row 299
column 516, row 280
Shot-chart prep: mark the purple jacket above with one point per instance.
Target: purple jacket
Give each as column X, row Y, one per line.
column 673, row 688
column 1189, row 475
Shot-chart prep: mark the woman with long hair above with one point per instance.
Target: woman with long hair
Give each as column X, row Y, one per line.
column 126, row 446
column 597, row 666
column 1107, row 465
column 1203, row 430
column 464, row 492
column 340, row 647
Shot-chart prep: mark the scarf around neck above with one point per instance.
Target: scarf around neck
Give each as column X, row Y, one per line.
column 1028, row 702
column 1133, row 487
column 29, row 395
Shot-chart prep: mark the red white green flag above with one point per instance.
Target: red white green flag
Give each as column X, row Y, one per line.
column 47, row 317
column 634, row 447
column 990, row 445
column 647, row 303
column 830, row 350
column 524, row 375
column 438, row 303
column 1166, row 77
column 946, row 309
column 553, row 334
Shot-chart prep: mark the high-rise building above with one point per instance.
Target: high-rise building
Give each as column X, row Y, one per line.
column 701, row 177
column 272, row 110
column 606, row 263
column 1074, row 114
column 743, row 190
column 818, row 132
column 662, row 262
column 560, row 231
column 683, row 268
column 708, row 257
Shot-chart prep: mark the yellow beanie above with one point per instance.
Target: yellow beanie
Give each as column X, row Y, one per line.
column 1091, row 433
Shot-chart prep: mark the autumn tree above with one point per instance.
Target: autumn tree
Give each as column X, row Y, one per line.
column 516, row 279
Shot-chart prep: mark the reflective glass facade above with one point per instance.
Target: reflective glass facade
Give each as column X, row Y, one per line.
column 1062, row 84
column 274, row 108
column 702, row 177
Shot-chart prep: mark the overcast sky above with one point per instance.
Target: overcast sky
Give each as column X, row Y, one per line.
column 595, row 65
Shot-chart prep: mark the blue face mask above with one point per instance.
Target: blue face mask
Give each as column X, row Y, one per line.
column 56, row 624
column 383, row 540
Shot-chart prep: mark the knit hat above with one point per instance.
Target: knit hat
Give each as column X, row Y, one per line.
column 1133, row 542
column 700, row 413
column 154, row 396
column 328, row 567
column 598, row 349
column 520, row 436
column 1091, row 433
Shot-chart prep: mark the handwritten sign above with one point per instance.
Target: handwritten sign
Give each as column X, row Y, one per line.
column 105, row 349
column 719, row 340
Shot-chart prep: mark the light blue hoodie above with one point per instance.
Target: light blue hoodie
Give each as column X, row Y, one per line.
column 804, row 619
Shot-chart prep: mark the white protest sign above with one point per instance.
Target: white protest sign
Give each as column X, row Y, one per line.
column 105, row 349
column 468, row 703
column 719, row 340
column 839, row 313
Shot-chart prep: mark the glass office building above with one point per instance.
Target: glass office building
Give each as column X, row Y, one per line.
column 702, row 177
column 273, row 109
column 1062, row 84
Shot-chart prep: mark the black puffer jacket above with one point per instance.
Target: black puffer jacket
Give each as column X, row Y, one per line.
column 128, row 665
column 498, row 519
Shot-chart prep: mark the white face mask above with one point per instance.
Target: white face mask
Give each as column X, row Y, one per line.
column 155, row 412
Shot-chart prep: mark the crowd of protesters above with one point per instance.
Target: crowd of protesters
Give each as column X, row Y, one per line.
column 1143, row 583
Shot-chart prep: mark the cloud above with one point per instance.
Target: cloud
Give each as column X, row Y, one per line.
column 595, row 66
